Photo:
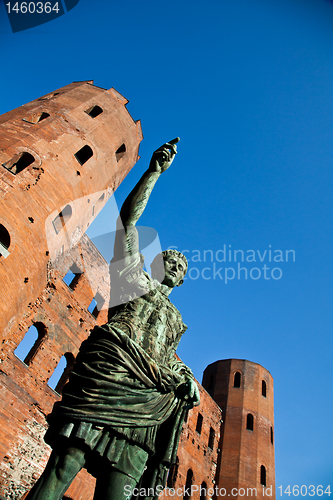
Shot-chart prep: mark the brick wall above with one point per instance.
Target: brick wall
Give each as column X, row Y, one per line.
column 33, row 195
column 27, row 397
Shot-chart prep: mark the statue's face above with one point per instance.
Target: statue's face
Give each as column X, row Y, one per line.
column 175, row 270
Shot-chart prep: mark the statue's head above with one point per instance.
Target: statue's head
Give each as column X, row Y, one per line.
column 169, row 268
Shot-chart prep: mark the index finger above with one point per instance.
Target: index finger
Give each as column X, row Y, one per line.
column 172, row 145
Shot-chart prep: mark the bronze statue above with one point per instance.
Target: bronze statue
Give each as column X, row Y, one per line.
column 122, row 409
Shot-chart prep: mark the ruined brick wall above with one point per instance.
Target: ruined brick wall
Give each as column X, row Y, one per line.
column 26, row 397
column 61, row 158
column 244, row 391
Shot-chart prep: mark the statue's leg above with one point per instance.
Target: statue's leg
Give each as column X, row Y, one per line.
column 114, row 485
column 59, row 472
column 117, row 481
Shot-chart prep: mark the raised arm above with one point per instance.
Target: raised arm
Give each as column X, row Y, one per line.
column 126, row 243
column 136, row 201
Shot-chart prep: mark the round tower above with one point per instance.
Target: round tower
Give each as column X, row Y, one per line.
column 244, row 392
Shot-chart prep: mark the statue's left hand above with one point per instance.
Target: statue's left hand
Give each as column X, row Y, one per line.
column 163, row 156
column 190, row 393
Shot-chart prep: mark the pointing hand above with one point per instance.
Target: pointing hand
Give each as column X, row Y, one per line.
column 163, row 156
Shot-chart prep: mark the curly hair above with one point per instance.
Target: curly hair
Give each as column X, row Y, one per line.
column 175, row 253
column 156, row 265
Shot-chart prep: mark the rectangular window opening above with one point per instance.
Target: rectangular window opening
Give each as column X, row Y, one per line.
column 72, row 277
column 199, row 423
column 120, row 152
column 94, row 111
column 62, row 218
column 96, row 305
column 211, row 438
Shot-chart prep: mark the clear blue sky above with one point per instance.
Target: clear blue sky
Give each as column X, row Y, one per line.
column 248, row 87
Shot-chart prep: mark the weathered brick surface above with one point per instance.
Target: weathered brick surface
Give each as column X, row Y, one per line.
column 243, row 451
column 32, row 198
column 27, row 398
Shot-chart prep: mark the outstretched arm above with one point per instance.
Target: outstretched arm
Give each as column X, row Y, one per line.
column 126, row 243
column 136, row 201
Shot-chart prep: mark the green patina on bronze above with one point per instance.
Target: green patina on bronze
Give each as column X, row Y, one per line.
column 121, row 413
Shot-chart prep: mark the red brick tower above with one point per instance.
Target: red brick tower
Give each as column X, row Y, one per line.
column 244, row 392
column 61, row 158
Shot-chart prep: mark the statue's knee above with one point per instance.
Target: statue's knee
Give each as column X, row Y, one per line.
column 69, row 464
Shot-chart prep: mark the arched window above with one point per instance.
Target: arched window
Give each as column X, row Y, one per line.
column 272, row 435
column 62, row 218
column 263, row 388
column 61, row 374
column 199, row 423
column 19, row 162
column 28, row 347
column 186, row 416
column 94, row 111
column 84, row 154
column 120, row 152
column 211, row 438
column 4, row 241
column 249, row 421
column 188, row 484
column 263, row 475
column 203, row 491
column 172, row 475
column 237, row 379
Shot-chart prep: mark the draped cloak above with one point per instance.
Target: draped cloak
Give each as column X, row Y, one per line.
column 123, row 387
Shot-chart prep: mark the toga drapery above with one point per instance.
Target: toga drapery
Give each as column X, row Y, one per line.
column 122, row 392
